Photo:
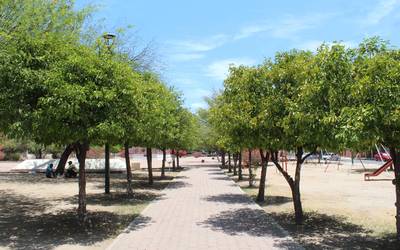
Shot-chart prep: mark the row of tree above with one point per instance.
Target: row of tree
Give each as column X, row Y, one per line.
column 15, row 150
column 61, row 84
column 337, row 98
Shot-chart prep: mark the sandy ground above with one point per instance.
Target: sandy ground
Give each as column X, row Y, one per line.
column 338, row 200
column 342, row 210
column 40, row 213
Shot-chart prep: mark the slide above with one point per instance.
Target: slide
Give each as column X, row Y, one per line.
column 379, row 170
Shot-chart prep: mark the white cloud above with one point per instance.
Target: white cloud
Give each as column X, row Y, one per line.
column 284, row 28
column 291, row 26
column 251, row 30
column 219, row 69
column 185, row 81
column 287, row 27
column 201, row 45
column 184, row 57
column 384, row 8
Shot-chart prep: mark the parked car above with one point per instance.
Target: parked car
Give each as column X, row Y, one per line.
column 330, row 157
column 385, row 157
column 312, row 157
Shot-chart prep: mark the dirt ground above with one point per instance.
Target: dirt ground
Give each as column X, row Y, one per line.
column 40, row 213
column 342, row 210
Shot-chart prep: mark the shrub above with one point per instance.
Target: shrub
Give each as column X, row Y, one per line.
column 12, row 157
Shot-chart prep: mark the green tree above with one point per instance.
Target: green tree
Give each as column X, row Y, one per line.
column 170, row 104
column 150, row 117
column 307, row 88
column 374, row 116
column 242, row 92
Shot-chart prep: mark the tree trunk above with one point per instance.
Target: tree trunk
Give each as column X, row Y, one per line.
column 293, row 184
column 298, row 209
column 63, row 159
column 395, row 154
column 173, row 161
column 128, row 170
column 164, row 159
column 319, row 156
column 229, row 163
column 223, row 159
column 107, row 169
column 235, row 160
column 81, row 149
column 250, row 170
column 264, row 164
column 149, row 165
column 240, row 167
column 40, row 153
column 177, row 159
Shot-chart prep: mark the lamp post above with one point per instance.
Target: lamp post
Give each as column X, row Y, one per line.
column 109, row 41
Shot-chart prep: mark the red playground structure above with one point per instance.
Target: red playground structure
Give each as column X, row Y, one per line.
column 378, row 171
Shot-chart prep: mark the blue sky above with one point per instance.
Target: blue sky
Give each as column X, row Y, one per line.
column 197, row 40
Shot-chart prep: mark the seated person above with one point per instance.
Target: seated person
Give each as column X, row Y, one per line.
column 72, row 171
column 49, row 171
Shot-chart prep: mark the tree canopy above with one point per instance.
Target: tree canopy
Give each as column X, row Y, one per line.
column 300, row 101
column 58, row 89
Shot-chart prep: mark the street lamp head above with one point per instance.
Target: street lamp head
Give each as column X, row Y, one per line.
column 109, row 39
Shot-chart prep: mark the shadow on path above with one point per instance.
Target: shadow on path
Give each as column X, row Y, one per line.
column 216, row 173
column 213, row 169
column 25, row 224
column 139, row 222
column 245, row 220
column 229, row 199
column 220, row 178
column 321, row 231
column 157, row 185
column 273, row 200
column 254, row 222
column 118, row 198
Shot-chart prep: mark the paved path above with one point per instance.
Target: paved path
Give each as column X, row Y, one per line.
column 6, row 166
column 203, row 209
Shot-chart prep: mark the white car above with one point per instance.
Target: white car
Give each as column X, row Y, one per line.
column 331, row 157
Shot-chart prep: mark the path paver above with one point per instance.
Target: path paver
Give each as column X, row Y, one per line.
column 203, row 209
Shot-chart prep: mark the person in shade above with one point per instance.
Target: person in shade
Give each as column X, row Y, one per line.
column 50, row 171
column 72, row 171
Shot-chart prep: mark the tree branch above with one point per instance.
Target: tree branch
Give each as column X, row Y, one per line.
column 308, row 155
column 288, row 178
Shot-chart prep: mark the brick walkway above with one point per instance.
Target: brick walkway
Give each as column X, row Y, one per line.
column 203, row 209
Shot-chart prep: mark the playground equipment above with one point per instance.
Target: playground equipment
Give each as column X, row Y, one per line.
column 327, row 164
column 359, row 158
column 378, row 171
